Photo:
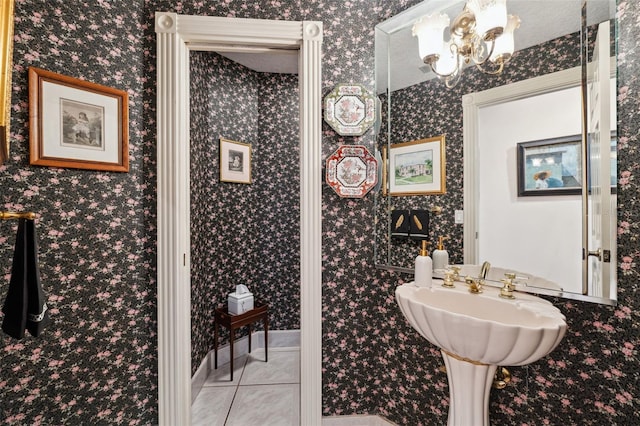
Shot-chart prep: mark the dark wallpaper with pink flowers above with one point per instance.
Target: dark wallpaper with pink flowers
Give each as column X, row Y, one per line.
column 240, row 233
column 97, row 362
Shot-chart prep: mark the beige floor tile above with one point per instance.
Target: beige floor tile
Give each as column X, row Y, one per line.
column 266, row 405
column 212, row 406
column 283, row 367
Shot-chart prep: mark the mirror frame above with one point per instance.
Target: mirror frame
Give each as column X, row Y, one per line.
column 176, row 36
column 6, row 65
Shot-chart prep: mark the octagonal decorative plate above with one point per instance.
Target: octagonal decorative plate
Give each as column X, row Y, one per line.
column 350, row 109
column 352, row 171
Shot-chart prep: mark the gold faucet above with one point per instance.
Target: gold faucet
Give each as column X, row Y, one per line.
column 475, row 285
column 484, row 270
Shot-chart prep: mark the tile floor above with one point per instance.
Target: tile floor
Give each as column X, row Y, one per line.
column 262, row 393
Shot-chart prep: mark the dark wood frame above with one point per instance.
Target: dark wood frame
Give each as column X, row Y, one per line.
column 521, row 158
column 38, row 128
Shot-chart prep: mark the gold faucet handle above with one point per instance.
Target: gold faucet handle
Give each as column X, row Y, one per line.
column 456, row 271
column 474, row 285
column 448, row 279
column 506, row 291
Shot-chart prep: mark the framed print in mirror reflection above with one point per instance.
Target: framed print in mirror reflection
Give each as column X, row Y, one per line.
column 550, row 167
column 235, row 161
column 418, row 167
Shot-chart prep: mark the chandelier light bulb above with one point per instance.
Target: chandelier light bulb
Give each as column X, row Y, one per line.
column 448, row 62
column 503, row 50
column 429, row 30
column 491, row 17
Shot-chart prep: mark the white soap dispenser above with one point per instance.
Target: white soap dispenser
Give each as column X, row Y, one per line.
column 440, row 255
column 424, row 267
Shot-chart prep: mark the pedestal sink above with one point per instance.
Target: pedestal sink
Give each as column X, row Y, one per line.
column 476, row 333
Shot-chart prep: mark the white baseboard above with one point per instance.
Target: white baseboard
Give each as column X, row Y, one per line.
column 358, row 420
column 277, row 339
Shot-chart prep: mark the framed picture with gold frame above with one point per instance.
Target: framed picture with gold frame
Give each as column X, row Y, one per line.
column 418, row 167
column 77, row 124
column 6, row 65
column 235, row 161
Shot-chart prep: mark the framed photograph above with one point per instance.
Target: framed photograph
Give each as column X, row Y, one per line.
column 77, row 124
column 235, row 161
column 550, row 167
column 417, row 167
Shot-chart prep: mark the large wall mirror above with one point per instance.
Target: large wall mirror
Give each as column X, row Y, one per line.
column 554, row 100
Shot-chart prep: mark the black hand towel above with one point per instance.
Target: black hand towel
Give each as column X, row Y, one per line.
column 15, row 305
column 25, row 307
column 419, row 224
column 37, row 314
column 400, row 223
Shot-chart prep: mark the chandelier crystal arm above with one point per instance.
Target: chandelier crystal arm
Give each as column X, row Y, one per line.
column 478, row 50
column 490, row 72
column 458, row 67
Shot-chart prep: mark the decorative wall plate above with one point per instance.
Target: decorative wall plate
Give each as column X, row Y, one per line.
column 350, row 109
column 352, row 171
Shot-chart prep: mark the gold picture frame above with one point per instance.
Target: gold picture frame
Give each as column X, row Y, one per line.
column 77, row 124
column 418, row 167
column 6, row 66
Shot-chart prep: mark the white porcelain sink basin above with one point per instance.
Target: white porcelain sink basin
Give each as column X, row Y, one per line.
column 476, row 333
column 483, row 327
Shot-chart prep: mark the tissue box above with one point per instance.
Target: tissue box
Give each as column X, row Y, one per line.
column 240, row 303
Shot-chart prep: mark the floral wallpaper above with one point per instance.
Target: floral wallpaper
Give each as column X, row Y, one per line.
column 97, row 362
column 243, row 234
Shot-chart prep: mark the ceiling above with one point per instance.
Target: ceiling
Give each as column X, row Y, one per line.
column 274, row 61
column 542, row 20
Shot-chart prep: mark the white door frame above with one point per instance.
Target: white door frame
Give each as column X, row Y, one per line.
column 471, row 105
column 176, row 36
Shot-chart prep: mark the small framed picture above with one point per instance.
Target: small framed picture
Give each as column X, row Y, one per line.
column 550, row 167
column 235, row 161
column 77, row 124
column 417, row 167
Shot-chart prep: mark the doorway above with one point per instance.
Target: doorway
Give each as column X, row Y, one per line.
column 176, row 36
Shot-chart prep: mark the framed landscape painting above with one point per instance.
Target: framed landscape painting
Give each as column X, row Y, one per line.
column 418, row 167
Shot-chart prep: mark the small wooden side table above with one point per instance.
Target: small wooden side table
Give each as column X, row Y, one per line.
column 222, row 317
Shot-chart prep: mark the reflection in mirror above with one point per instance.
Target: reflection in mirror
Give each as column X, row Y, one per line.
column 416, row 105
column 6, row 63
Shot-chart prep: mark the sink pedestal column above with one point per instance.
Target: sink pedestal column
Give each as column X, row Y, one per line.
column 469, row 387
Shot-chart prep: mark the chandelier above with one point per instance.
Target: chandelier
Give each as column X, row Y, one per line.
column 481, row 34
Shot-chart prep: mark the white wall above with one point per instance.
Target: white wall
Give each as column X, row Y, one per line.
column 540, row 235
